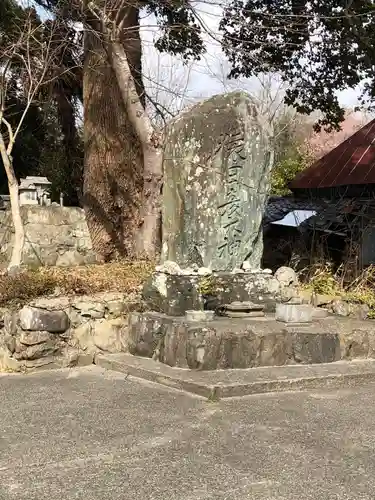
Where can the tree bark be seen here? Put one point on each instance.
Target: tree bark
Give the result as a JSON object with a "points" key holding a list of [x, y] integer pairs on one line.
{"points": [[113, 162], [151, 143], [19, 232]]}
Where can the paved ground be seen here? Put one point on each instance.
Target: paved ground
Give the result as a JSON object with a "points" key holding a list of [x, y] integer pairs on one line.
{"points": [[86, 434]]}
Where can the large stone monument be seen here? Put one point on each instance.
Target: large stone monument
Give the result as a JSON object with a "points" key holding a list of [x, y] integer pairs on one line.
{"points": [[216, 177]]}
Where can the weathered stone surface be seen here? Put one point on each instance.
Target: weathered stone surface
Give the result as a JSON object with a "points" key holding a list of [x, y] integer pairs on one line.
{"points": [[64, 331], [216, 180], [146, 333], [107, 336], [234, 343], [359, 311], [116, 308], [316, 348], [169, 267], [174, 295], [33, 338], [320, 299], [54, 236], [10, 319], [74, 357], [294, 313], [7, 362], [199, 315], [35, 319], [90, 309], [37, 351], [82, 337], [355, 344], [319, 313], [341, 308], [286, 276]]}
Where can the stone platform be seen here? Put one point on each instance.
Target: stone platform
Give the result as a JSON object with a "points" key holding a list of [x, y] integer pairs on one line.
{"points": [[227, 343], [173, 294], [220, 384]]}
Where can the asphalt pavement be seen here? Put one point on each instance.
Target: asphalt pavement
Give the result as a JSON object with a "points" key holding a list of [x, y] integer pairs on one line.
{"points": [[96, 435]]}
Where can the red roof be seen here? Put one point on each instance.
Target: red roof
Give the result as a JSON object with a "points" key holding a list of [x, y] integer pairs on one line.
{"points": [[352, 162]]}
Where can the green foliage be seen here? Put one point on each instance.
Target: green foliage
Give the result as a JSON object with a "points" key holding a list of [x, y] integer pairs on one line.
{"points": [[318, 48], [207, 286], [284, 172], [291, 131], [180, 29]]}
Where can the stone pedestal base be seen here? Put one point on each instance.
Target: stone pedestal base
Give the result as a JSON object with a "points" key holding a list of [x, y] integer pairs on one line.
{"points": [[229, 343], [175, 294]]}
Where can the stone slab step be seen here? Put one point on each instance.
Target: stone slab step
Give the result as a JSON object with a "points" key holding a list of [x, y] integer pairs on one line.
{"points": [[217, 384]]}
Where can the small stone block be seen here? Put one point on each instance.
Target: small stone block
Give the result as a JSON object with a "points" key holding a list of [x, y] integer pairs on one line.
{"points": [[199, 315], [294, 313]]}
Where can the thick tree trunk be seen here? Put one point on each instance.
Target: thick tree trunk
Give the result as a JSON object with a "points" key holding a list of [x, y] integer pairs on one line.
{"points": [[113, 163], [151, 144], [19, 232]]}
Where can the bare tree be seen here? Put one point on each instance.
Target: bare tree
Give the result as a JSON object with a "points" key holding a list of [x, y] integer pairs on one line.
{"points": [[28, 65]]}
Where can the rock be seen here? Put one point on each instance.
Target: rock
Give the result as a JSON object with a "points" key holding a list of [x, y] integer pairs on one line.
{"points": [[306, 296], [116, 308], [54, 235], [35, 319], [355, 344], [286, 276], [74, 357], [10, 342], [320, 313], [267, 271], [204, 271], [274, 286], [319, 299], [52, 303], [169, 267], [341, 308], [216, 179], [199, 315], [310, 348], [107, 336], [45, 363], [189, 271], [293, 313], [172, 294], [37, 351], [82, 337], [8, 363], [87, 309], [359, 311], [289, 293], [10, 319], [34, 338], [237, 270]]}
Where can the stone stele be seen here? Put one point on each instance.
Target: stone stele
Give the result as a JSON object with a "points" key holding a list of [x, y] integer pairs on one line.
{"points": [[217, 167]]}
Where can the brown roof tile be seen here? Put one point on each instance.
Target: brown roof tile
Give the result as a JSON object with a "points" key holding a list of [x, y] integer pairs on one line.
{"points": [[352, 162]]}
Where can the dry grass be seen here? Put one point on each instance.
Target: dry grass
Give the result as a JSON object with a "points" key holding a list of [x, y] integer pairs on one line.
{"points": [[322, 280], [112, 277]]}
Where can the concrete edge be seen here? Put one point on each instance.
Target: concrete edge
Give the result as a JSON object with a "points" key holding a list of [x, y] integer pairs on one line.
{"points": [[191, 386], [224, 391]]}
